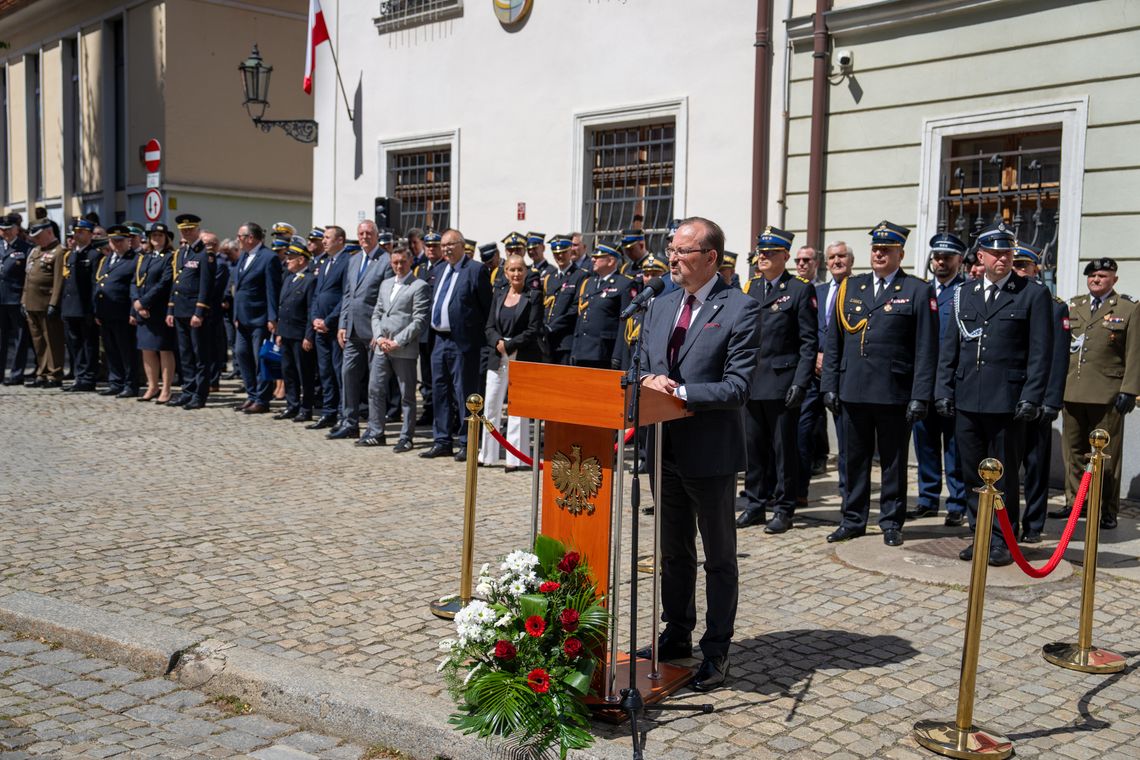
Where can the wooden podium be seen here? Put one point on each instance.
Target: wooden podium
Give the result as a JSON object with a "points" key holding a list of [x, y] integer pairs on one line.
{"points": [[582, 483]]}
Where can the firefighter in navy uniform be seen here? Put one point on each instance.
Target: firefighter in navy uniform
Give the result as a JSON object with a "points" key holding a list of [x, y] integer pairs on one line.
{"points": [[880, 364], [489, 255], [1103, 381], [515, 243], [1038, 446], [653, 266], [112, 307], [295, 334], [560, 301], [13, 326], [635, 250], [784, 368], [77, 307], [601, 298], [536, 251], [728, 270], [188, 311], [216, 316], [993, 369]]}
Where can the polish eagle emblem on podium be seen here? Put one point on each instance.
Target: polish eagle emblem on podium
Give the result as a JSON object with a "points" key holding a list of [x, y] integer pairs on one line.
{"points": [[577, 481]]}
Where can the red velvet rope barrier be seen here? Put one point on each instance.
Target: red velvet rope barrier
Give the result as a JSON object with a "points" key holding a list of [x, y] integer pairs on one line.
{"points": [[529, 461], [1070, 526]]}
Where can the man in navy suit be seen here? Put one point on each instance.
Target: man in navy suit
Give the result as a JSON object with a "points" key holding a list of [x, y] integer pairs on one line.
{"points": [[461, 300], [701, 343], [13, 326], [935, 447], [993, 371], [257, 280], [324, 313], [880, 363]]}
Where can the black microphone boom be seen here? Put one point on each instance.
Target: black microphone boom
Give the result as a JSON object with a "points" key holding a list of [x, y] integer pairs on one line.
{"points": [[653, 288]]}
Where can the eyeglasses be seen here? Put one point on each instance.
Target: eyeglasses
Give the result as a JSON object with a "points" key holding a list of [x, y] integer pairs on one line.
{"points": [[452, 245], [804, 261], [670, 251]]}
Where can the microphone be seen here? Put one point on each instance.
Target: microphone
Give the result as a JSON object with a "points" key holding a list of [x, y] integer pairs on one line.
{"points": [[653, 288]]}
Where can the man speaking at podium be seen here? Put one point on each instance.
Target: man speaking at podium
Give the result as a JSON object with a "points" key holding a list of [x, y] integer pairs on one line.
{"points": [[700, 343]]}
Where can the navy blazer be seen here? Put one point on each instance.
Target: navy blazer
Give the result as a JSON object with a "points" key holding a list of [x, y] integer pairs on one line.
{"points": [[329, 290], [470, 302], [151, 283], [13, 263], [293, 321], [789, 322], [193, 277], [894, 359], [1059, 366], [946, 304], [821, 291], [112, 299], [716, 364], [256, 288], [1008, 361], [78, 282]]}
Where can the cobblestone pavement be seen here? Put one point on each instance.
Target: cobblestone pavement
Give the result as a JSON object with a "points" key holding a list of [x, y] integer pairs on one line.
{"points": [[266, 535], [61, 704]]}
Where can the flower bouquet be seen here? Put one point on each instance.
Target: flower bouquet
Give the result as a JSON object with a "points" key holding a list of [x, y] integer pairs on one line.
{"points": [[524, 655]]}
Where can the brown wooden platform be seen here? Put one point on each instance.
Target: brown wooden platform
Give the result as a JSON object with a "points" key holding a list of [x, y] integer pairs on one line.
{"points": [[673, 678]]}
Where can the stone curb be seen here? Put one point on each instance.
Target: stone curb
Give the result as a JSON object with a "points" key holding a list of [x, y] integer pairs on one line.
{"points": [[353, 708]]}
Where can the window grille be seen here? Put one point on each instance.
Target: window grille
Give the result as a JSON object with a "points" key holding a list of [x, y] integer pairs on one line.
{"points": [[401, 14], [422, 182]]}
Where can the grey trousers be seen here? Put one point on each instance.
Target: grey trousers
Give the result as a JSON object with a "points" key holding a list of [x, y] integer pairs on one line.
{"points": [[383, 367], [354, 374]]}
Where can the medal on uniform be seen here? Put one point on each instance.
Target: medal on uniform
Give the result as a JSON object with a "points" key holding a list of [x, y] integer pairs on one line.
{"points": [[888, 307], [858, 309], [775, 307]]}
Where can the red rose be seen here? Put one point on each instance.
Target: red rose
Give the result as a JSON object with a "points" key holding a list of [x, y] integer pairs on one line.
{"points": [[569, 619], [538, 680], [548, 586], [569, 562], [535, 626], [572, 647], [504, 650]]}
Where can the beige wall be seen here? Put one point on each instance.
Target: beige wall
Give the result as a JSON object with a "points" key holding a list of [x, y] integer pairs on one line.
{"points": [[17, 131], [51, 79], [146, 33], [210, 141], [90, 106]]}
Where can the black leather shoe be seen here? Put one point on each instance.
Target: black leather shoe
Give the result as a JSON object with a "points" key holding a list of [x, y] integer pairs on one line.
{"points": [[177, 400], [193, 404], [35, 383], [371, 440], [1062, 514], [395, 416], [52, 384], [512, 468], [112, 391], [751, 516], [256, 408], [955, 519], [14, 380], [1030, 537], [780, 523], [1000, 556], [669, 647], [844, 533], [128, 393], [285, 414], [231, 375], [923, 511], [437, 450], [461, 455], [402, 445], [966, 554], [712, 673], [1107, 522], [243, 406], [342, 432], [303, 417], [892, 537], [82, 388], [326, 421]]}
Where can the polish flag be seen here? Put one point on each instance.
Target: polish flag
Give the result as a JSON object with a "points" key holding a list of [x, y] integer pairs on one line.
{"points": [[318, 33]]}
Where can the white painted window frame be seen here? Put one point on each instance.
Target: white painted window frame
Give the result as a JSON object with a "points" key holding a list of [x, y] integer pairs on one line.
{"points": [[641, 113], [444, 139], [1070, 114]]}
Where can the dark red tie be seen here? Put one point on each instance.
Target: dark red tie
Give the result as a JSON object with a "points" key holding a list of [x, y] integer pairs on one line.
{"points": [[677, 339]]}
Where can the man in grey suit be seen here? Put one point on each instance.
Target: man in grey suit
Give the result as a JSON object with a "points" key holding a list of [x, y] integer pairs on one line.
{"points": [[401, 314], [362, 278], [700, 344]]}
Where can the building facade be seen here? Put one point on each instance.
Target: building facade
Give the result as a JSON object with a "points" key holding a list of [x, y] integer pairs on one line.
{"points": [[84, 86]]}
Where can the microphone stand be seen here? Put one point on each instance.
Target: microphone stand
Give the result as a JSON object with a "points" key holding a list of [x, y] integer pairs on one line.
{"points": [[632, 703]]}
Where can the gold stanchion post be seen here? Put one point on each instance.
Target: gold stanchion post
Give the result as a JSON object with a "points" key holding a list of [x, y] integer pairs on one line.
{"points": [[1083, 656], [448, 606], [960, 737]]}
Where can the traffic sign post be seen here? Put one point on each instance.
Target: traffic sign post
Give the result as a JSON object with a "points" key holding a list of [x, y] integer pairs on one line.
{"points": [[152, 204], [152, 155]]}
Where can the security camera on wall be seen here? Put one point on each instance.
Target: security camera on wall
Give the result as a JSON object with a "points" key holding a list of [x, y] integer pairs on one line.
{"points": [[845, 60]]}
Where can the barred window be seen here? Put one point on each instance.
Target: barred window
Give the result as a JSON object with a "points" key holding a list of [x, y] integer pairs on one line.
{"points": [[630, 173], [422, 182], [402, 14], [1015, 178]]}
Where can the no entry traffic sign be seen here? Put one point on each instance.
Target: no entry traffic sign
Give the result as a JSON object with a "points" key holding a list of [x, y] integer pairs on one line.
{"points": [[152, 204], [152, 156]]}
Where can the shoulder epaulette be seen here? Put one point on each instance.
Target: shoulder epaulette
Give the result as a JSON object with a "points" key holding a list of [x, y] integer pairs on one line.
{"points": [[802, 279], [1129, 299], [1058, 299], [1077, 300]]}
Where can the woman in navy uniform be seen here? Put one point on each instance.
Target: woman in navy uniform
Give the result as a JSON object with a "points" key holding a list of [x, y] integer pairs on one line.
{"points": [[150, 292], [112, 307], [295, 335]]}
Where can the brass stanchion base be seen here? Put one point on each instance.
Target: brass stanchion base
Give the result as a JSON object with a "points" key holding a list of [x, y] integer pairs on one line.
{"points": [[1090, 660], [945, 738], [645, 564], [446, 608]]}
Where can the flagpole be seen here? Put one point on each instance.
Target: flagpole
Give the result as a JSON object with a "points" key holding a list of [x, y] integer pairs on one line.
{"points": [[332, 51]]}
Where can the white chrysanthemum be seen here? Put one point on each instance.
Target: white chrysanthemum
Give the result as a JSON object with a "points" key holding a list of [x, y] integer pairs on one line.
{"points": [[446, 645], [483, 588], [517, 588], [503, 621], [471, 673], [520, 562], [485, 615], [483, 570]]}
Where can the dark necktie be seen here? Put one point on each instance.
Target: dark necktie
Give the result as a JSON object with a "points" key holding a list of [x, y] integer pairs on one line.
{"points": [[363, 267], [990, 290], [677, 339], [879, 288], [767, 289], [440, 296], [1095, 305]]}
